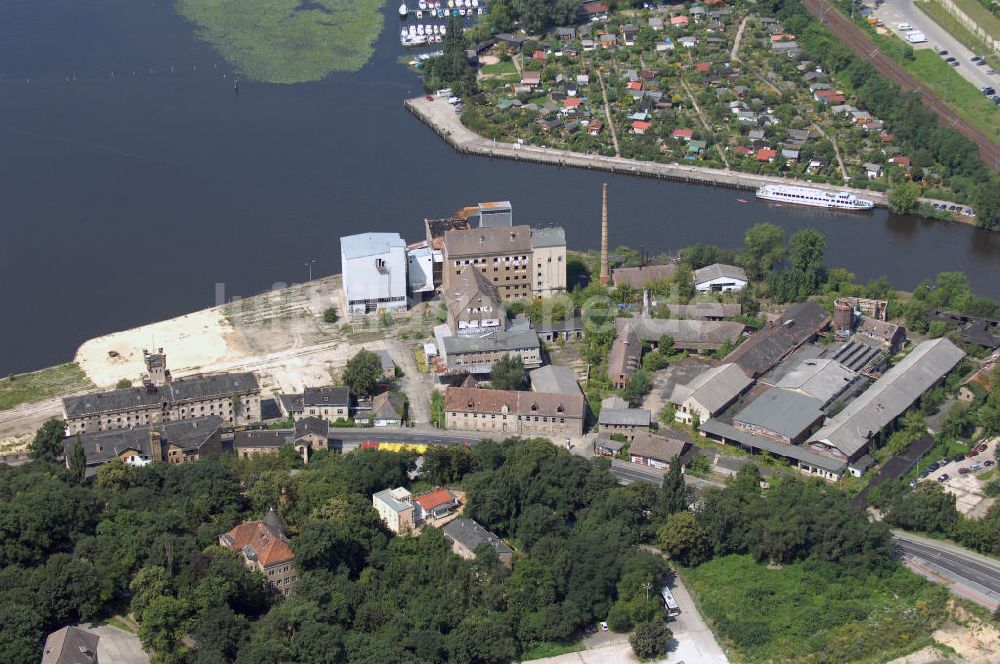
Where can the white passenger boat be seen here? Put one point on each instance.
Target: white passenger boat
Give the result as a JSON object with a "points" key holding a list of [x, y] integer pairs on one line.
{"points": [[402, 9], [838, 200]]}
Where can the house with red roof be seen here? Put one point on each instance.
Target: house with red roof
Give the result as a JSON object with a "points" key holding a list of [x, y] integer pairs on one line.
{"points": [[766, 154], [683, 134], [572, 102], [538, 55], [436, 504], [264, 547], [829, 97], [595, 127], [742, 150], [531, 79], [679, 21], [901, 160], [703, 67], [595, 8], [633, 85], [641, 126]]}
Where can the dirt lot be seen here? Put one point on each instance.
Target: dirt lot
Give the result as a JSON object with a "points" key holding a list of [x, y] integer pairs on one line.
{"points": [[280, 335], [967, 489]]}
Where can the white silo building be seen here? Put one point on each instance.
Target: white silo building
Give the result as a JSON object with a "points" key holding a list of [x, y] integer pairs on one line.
{"points": [[374, 269]]}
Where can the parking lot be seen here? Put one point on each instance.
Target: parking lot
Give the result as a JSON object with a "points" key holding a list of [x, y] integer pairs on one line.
{"points": [[963, 480]]}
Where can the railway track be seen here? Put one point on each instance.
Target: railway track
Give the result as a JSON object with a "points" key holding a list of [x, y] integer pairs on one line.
{"points": [[865, 48]]}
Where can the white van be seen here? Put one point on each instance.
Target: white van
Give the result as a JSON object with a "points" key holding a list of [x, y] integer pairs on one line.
{"points": [[905, 26], [916, 37]]}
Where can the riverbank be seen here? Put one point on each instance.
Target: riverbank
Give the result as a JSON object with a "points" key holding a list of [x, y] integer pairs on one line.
{"points": [[280, 335], [446, 123]]}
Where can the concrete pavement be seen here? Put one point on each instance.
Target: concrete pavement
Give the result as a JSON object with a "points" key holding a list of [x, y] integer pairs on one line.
{"points": [[695, 641], [116, 645], [894, 12]]}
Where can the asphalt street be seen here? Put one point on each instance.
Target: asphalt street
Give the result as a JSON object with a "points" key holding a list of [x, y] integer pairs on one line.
{"points": [[894, 12], [973, 576]]}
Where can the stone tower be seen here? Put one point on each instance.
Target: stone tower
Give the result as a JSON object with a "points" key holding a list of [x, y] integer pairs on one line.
{"points": [[157, 373], [605, 277]]}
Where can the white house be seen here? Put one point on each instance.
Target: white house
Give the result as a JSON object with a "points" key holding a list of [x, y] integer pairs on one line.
{"points": [[374, 269], [719, 277]]}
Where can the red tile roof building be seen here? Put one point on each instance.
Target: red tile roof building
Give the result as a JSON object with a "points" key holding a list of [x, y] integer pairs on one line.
{"points": [[640, 126], [264, 547], [766, 154], [437, 503], [683, 134]]}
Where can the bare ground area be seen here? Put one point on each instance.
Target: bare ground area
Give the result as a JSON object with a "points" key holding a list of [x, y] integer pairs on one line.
{"points": [[280, 335]]}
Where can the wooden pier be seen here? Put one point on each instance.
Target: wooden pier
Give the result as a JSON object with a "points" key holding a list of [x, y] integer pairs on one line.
{"points": [[440, 116]]}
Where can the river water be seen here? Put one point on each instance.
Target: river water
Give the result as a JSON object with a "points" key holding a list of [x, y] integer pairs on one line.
{"points": [[133, 180]]}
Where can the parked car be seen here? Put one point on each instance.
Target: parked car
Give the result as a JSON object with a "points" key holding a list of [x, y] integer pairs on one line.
{"points": [[989, 462], [604, 626], [943, 52], [971, 453], [964, 471], [982, 447], [949, 59], [987, 90], [943, 462], [934, 466], [954, 63], [943, 477], [905, 26], [976, 466], [976, 58], [958, 458]]}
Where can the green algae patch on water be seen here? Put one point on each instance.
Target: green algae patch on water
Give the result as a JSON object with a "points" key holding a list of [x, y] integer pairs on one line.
{"points": [[287, 41]]}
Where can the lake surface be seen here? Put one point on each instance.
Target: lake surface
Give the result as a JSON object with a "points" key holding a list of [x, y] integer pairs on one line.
{"points": [[133, 180]]}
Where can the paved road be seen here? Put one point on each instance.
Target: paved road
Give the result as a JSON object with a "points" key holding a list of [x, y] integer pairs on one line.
{"points": [[894, 12], [859, 42], [632, 472], [695, 641], [964, 572]]}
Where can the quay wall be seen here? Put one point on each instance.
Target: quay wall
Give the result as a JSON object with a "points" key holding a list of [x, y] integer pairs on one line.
{"points": [[441, 117]]}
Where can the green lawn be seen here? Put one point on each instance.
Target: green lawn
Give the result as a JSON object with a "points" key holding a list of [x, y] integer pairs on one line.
{"points": [[962, 96], [982, 16], [543, 650], [813, 611], [947, 20], [499, 68], [287, 41], [27, 388]]}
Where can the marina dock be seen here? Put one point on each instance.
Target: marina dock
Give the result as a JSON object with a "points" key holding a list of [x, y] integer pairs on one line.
{"points": [[442, 118]]}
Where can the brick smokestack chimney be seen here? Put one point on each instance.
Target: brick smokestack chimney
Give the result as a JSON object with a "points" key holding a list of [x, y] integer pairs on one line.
{"points": [[605, 277]]}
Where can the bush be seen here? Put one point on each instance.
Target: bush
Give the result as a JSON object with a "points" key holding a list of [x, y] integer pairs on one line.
{"points": [[650, 639], [330, 315]]}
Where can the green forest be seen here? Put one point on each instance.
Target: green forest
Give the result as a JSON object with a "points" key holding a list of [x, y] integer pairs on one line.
{"points": [[143, 541]]}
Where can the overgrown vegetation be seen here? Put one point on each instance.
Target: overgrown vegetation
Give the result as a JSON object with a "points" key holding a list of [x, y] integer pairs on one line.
{"points": [[287, 41], [44, 384]]}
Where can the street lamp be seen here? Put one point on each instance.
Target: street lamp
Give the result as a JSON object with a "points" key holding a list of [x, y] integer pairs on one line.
{"points": [[647, 586], [309, 264]]}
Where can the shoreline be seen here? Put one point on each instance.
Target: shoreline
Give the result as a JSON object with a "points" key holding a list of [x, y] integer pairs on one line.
{"points": [[441, 118]]}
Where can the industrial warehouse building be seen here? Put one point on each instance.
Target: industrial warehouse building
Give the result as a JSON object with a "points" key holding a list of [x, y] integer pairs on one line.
{"points": [[374, 271]]}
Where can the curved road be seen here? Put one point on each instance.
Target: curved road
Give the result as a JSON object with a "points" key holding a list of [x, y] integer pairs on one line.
{"points": [[860, 43]]}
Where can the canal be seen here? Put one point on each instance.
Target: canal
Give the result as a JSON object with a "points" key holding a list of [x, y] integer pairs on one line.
{"points": [[133, 180]]}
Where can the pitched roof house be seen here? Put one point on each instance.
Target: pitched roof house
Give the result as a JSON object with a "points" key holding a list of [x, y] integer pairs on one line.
{"points": [[264, 546]]}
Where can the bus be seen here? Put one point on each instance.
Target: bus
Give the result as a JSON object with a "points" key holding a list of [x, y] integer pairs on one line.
{"points": [[669, 604]]}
